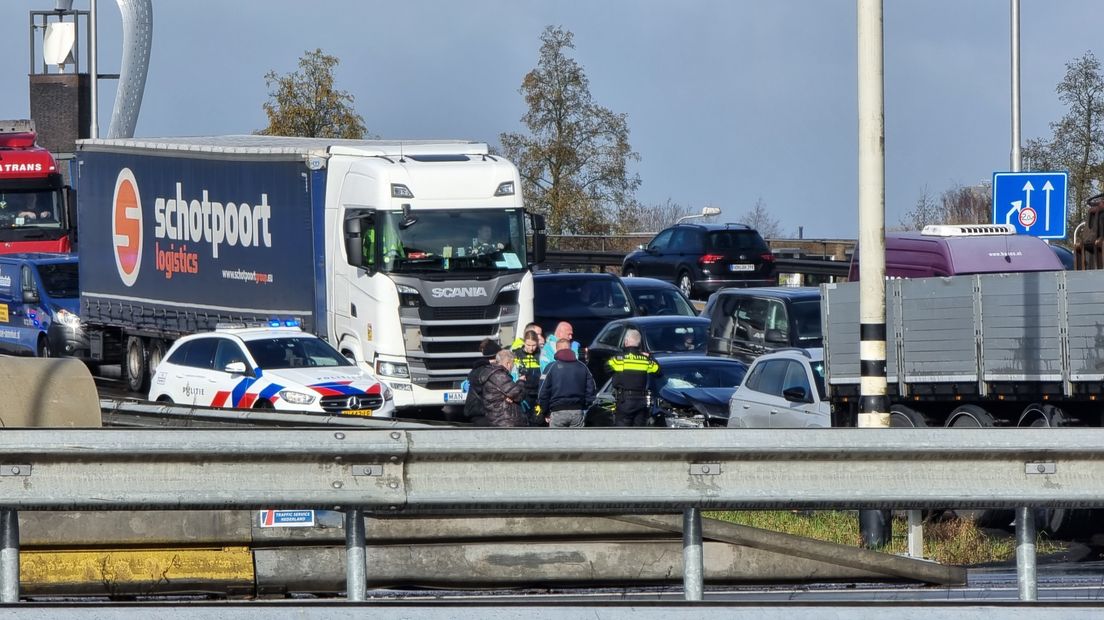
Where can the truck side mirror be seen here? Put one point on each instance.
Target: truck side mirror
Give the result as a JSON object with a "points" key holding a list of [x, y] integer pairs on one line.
{"points": [[71, 215], [540, 239], [353, 228]]}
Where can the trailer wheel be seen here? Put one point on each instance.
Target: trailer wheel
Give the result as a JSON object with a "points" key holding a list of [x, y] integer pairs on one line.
{"points": [[901, 416], [973, 416], [157, 348], [136, 365], [1062, 523]]}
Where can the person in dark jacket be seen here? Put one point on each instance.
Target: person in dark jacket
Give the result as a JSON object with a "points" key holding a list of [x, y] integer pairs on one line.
{"points": [[527, 363], [631, 372], [473, 402], [502, 395], [567, 389]]}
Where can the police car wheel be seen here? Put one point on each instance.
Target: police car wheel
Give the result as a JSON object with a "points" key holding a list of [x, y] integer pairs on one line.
{"points": [[262, 404]]}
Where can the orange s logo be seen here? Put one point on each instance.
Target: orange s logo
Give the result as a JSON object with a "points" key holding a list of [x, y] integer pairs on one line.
{"points": [[126, 227]]}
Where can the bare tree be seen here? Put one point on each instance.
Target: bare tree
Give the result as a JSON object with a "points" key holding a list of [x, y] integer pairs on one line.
{"points": [[761, 220], [968, 204], [927, 211], [651, 218]]}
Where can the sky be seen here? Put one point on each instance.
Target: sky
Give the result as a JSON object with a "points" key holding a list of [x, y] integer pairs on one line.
{"points": [[728, 101]]}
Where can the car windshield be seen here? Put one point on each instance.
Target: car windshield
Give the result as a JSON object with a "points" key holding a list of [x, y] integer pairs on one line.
{"points": [[294, 352], [818, 376], [677, 337], [585, 297], [661, 302], [682, 376], [806, 318], [735, 242], [449, 241], [60, 280]]}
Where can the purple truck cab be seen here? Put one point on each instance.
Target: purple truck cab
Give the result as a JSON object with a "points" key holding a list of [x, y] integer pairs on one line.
{"points": [[951, 250]]}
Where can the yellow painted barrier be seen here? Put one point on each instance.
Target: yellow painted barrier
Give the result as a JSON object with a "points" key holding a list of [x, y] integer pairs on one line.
{"points": [[136, 571]]}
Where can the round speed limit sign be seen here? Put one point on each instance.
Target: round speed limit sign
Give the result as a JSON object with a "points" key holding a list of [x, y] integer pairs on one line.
{"points": [[1028, 217]]}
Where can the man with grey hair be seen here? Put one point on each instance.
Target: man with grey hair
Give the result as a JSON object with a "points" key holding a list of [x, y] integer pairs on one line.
{"points": [[501, 394], [567, 389], [631, 372]]}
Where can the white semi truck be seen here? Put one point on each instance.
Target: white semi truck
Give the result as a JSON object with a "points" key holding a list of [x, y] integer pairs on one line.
{"points": [[404, 255]]}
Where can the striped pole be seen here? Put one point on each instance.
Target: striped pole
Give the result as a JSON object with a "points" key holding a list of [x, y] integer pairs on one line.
{"points": [[873, 403]]}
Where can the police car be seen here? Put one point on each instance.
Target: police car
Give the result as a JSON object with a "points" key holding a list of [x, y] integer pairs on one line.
{"points": [[267, 367]]}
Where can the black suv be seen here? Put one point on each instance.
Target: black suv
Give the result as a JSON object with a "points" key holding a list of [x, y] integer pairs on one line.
{"points": [[746, 323], [702, 258]]}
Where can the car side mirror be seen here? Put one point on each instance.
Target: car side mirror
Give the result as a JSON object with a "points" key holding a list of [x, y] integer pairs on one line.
{"points": [[235, 368], [774, 336], [796, 395]]}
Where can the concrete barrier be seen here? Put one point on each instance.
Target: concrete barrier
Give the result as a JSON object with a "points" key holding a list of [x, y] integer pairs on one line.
{"points": [[48, 392]]}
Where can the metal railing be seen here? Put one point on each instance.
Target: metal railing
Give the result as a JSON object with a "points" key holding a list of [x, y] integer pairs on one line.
{"points": [[596, 471]]}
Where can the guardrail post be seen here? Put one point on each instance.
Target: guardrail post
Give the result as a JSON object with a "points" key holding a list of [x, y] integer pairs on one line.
{"points": [[355, 571], [9, 556], [915, 534], [692, 563], [1025, 554]]}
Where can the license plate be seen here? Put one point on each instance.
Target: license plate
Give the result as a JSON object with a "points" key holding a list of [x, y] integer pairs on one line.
{"points": [[741, 267], [360, 412], [452, 397]]}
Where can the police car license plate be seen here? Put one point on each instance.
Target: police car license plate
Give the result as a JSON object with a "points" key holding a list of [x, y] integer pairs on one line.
{"points": [[359, 412], [454, 397], [741, 267]]}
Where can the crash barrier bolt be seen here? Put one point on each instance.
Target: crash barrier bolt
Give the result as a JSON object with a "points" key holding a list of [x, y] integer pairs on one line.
{"points": [[355, 571], [9, 556], [1025, 554], [692, 565], [915, 534]]}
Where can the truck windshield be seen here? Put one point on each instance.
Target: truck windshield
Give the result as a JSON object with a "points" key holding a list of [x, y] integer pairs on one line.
{"points": [[30, 209], [60, 280], [450, 241]]}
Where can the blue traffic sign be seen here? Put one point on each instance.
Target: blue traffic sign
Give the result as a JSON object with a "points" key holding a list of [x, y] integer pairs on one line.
{"points": [[1033, 202]]}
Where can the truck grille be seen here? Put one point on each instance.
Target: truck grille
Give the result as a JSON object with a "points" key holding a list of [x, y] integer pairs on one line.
{"points": [[429, 313], [337, 404]]}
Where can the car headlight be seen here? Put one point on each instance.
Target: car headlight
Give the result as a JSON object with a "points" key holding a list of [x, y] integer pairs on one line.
{"points": [[296, 398], [392, 369], [68, 319]]}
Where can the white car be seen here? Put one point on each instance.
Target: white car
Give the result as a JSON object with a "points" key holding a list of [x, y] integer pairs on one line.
{"points": [[782, 389], [267, 368]]}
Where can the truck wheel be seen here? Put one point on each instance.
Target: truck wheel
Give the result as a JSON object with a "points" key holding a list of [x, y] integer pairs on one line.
{"points": [[901, 416], [136, 365], [973, 416], [43, 347]]}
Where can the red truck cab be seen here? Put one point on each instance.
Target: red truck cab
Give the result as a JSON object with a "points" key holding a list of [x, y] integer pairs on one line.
{"points": [[36, 207]]}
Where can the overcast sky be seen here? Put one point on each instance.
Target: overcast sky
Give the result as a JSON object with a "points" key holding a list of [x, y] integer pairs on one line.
{"points": [[728, 101]]}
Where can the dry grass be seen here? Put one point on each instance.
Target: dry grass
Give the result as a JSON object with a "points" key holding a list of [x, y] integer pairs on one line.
{"points": [[954, 541]]}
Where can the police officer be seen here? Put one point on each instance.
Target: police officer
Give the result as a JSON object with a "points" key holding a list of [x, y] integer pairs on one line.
{"points": [[631, 371], [527, 365]]}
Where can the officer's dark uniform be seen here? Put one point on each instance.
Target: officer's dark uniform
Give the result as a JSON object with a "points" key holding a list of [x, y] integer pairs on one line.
{"points": [[528, 366], [630, 384]]}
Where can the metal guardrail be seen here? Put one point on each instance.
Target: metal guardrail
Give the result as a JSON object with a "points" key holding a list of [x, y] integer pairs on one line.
{"points": [[144, 414], [601, 260], [477, 471]]}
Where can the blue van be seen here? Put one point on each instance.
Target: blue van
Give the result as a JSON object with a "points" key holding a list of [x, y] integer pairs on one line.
{"points": [[39, 305], [952, 250]]}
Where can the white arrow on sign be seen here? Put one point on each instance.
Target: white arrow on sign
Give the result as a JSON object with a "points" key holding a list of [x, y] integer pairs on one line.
{"points": [[1048, 188], [1028, 188], [1016, 206]]}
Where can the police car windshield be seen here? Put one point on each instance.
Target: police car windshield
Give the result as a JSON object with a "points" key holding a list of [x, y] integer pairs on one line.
{"points": [[451, 241], [294, 352]]}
